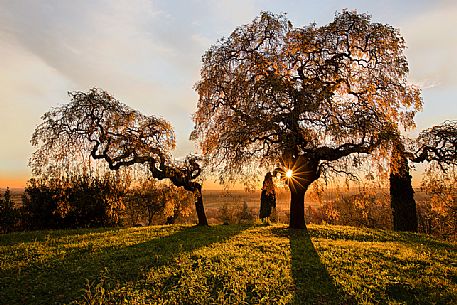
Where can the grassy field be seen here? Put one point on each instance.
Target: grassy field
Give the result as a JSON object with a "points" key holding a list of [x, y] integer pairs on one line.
{"points": [[226, 265]]}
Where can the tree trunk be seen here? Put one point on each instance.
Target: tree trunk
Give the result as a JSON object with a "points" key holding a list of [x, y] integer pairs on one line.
{"points": [[401, 192], [297, 209], [202, 221], [196, 188], [184, 179], [305, 172]]}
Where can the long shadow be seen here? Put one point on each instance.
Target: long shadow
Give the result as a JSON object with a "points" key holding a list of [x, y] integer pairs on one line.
{"points": [[377, 235], [60, 281], [313, 284], [14, 238]]}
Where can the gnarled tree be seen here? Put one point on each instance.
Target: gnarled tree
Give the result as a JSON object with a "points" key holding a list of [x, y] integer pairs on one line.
{"points": [[99, 125], [302, 97], [437, 146]]}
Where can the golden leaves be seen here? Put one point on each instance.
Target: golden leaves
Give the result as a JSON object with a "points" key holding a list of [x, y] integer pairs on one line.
{"points": [[95, 122], [269, 85]]}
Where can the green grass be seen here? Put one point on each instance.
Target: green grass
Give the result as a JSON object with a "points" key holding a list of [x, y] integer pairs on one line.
{"points": [[226, 265]]}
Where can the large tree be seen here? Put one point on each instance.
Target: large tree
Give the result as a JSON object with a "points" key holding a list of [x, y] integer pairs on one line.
{"points": [[96, 124], [437, 146], [301, 97], [402, 200]]}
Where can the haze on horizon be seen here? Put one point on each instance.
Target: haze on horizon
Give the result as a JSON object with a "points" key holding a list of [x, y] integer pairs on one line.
{"points": [[148, 55]]}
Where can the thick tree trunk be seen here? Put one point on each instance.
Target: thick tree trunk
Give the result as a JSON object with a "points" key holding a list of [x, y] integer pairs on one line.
{"points": [[305, 172], [297, 209], [401, 192]]}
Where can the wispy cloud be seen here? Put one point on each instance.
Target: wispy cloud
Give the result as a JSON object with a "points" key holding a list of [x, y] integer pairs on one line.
{"points": [[432, 46]]}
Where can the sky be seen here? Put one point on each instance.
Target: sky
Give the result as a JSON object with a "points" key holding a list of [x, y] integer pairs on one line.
{"points": [[148, 55]]}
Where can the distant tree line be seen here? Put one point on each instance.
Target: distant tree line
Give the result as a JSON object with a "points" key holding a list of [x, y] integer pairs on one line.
{"points": [[85, 201]]}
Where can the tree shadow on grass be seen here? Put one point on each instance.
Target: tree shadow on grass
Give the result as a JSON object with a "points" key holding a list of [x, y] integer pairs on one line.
{"points": [[14, 238], [377, 235], [61, 280], [313, 284]]}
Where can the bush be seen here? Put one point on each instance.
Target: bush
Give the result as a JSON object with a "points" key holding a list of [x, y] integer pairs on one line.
{"points": [[437, 213], [77, 202], [369, 207], [235, 213], [39, 205]]}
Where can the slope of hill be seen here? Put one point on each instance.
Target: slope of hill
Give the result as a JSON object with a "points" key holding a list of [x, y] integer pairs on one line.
{"points": [[226, 265]]}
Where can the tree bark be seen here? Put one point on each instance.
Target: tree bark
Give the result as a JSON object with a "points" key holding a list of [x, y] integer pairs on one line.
{"points": [[297, 209], [202, 221], [401, 192], [305, 172]]}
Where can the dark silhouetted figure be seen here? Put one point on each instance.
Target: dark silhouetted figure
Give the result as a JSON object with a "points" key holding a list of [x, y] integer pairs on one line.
{"points": [[267, 198]]}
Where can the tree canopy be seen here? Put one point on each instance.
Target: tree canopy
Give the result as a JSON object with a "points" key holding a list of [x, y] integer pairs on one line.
{"points": [[437, 144], [302, 97], [96, 124]]}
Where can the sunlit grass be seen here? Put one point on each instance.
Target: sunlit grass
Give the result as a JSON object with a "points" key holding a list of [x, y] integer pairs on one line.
{"points": [[226, 265]]}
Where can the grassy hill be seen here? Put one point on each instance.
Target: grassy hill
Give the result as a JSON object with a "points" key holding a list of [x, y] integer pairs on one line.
{"points": [[226, 265]]}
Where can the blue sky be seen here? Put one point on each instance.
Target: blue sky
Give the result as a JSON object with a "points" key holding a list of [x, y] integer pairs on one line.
{"points": [[148, 55]]}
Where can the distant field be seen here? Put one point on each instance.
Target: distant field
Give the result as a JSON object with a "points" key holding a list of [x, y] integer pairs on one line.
{"points": [[213, 200], [16, 194], [216, 198], [226, 264]]}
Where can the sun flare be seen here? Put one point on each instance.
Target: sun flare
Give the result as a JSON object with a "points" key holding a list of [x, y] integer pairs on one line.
{"points": [[289, 173]]}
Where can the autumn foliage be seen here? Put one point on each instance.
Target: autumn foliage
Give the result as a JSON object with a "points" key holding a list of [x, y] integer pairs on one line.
{"points": [[274, 95], [95, 124]]}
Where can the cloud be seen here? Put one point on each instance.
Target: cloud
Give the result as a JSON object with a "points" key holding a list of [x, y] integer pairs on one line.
{"points": [[27, 87], [140, 53], [432, 46]]}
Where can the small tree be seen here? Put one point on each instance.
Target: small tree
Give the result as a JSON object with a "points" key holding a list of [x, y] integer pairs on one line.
{"points": [[301, 98], [96, 124], [40, 204], [8, 213], [92, 201], [176, 203]]}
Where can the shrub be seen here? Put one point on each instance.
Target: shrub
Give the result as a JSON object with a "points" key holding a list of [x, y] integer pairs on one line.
{"points": [[437, 213], [369, 207], [39, 205], [76, 202], [235, 213]]}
